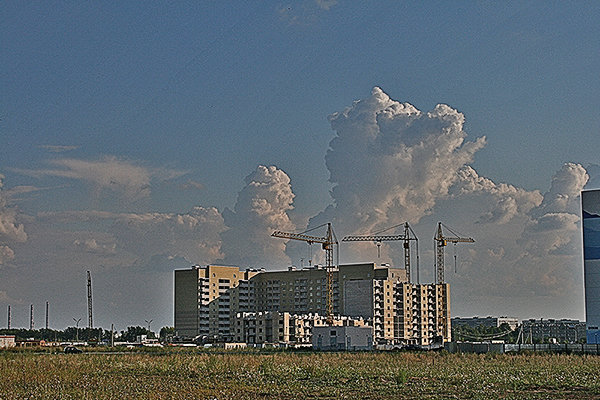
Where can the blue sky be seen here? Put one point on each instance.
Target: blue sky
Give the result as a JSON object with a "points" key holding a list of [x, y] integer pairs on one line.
{"points": [[115, 112]]}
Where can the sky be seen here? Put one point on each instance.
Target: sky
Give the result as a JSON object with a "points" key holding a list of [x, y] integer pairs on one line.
{"points": [[137, 139]]}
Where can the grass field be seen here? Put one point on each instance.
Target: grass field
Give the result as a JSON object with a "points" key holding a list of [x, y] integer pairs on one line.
{"points": [[287, 375]]}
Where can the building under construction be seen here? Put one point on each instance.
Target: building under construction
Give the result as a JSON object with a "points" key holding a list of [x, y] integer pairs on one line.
{"points": [[213, 302]]}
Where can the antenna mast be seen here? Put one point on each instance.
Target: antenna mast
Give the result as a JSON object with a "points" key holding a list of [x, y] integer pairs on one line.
{"points": [[89, 297]]}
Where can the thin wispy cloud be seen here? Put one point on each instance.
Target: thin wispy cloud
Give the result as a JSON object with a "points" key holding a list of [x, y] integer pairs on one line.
{"points": [[304, 12], [191, 185], [326, 4], [127, 178], [58, 148]]}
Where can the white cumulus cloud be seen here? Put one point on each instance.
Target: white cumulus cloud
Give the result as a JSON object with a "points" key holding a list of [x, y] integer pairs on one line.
{"points": [[193, 235], [11, 231], [261, 208], [390, 162]]}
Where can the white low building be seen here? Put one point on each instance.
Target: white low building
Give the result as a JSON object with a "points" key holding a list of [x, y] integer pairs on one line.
{"points": [[342, 338]]}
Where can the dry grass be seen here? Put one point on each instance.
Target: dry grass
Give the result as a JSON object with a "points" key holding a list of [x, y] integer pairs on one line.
{"points": [[287, 375]]}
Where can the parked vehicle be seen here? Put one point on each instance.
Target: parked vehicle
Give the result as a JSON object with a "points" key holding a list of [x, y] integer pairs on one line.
{"points": [[72, 350]]}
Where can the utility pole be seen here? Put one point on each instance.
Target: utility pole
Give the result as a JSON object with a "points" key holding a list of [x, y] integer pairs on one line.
{"points": [[89, 298], [112, 335], [31, 323], [148, 322], [46, 315], [9, 316], [77, 328]]}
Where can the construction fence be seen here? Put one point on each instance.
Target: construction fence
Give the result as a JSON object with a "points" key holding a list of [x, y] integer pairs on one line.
{"points": [[486, 347]]}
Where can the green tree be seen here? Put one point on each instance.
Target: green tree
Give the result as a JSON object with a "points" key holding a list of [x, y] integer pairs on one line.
{"points": [[132, 332], [166, 332]]}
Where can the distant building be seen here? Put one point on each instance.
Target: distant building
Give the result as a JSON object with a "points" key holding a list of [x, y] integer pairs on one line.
{"points": [[492, 322], [563, 330], [7, 341], [590, 209]]}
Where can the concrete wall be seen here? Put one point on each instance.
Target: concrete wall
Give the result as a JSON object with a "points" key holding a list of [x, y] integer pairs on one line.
{"points": [[358, 298]]}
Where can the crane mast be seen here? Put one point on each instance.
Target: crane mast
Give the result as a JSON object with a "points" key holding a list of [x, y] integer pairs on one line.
{"points": [[441, 242], [327, 242], [378, 239]]}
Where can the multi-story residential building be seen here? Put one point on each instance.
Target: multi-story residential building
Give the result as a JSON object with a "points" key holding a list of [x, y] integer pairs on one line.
{"points": [[422, 313], [304, 291], [493, 322], [373, 300], [226, 304], [261, 327], [207, 299]]}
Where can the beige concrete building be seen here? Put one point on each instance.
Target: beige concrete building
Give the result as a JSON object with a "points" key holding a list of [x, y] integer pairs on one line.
{"points": [[304, 291], [422, 314], [284, 328], [207, 299]]}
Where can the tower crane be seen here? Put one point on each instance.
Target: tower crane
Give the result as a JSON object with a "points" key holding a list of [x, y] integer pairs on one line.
{"points": [[441, 242], [408, 235], [327, 241]]}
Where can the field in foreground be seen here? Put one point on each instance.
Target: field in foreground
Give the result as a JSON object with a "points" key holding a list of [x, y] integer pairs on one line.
{"points": [[288, 375]]}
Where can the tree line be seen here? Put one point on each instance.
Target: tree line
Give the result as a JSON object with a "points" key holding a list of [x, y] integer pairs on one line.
{"points": [[72, 334]]}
